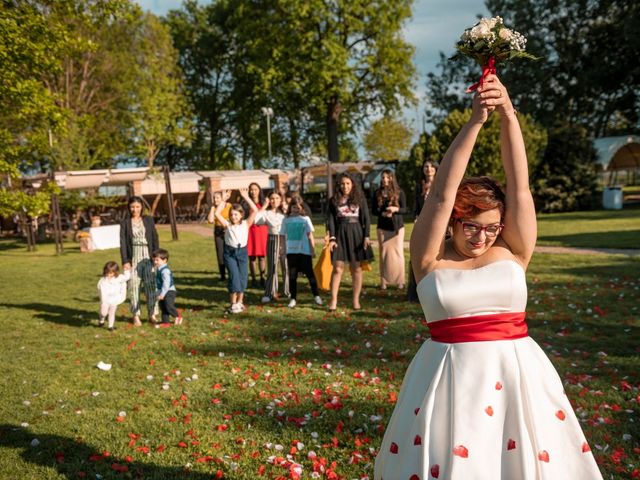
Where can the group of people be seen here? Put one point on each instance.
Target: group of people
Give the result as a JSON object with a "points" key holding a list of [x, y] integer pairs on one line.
{"points": [[480, 399], [145, 267], [259, 232]]}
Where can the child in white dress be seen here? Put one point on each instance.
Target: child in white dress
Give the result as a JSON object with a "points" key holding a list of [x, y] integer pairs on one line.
{"points": [[113, 291]]}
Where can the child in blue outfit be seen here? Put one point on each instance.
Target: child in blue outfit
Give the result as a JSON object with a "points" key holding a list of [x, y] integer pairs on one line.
{"points": [[166, 290], [298, 229]]}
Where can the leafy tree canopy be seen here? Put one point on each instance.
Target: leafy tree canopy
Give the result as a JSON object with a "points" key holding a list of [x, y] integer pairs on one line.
{"points": [[388, 139]]}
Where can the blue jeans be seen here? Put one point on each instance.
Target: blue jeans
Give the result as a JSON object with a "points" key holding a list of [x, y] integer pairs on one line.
{"points": [[237, 262]]}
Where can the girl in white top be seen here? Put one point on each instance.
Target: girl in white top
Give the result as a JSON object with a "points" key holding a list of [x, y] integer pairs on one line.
{"points": [[236, 259], [272, 215], [113, 291]]}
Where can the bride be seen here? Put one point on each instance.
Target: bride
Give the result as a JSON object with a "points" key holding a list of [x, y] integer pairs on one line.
{"points": [[480, 399]]}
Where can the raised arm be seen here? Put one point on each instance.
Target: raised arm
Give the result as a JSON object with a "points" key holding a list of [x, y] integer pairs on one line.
{"points": [[427, 238], [244, 193], [520, 228]]}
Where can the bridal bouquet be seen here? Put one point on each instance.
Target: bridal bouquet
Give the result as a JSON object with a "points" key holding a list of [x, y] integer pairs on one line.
{"points": [[489, 42]]}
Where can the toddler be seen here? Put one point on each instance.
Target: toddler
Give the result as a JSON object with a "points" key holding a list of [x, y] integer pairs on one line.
{"points": [[113, 291], [165, 288]]}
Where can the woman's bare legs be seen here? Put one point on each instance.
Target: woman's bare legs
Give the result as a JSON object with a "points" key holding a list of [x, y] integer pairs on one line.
{"points": [[356, 278], [336, 278]]}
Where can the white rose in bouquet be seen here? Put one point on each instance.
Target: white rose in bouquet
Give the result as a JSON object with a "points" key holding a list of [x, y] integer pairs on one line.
{"points": [[489, 43]]}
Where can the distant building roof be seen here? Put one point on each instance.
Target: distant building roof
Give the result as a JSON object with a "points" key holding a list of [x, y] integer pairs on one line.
{"points": [[618, 153]]}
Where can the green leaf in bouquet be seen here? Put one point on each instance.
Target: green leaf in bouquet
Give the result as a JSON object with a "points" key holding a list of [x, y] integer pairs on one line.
{"points": [[480, 45]]}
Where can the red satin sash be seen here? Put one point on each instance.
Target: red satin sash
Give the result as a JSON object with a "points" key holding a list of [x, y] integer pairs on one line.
{"points": [[480, 328]]}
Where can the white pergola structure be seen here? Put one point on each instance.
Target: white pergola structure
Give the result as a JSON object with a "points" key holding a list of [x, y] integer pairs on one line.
{"points": [[617, 155]]}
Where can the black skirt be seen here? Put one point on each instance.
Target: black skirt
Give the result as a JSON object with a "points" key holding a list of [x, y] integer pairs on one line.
{"points": [[350, 240]]}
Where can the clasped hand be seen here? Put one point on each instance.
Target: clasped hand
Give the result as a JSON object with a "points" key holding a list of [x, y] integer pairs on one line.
{"points": [[492, 95]]}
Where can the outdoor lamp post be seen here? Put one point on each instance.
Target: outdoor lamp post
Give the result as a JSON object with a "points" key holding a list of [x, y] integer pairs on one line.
{"points": [[268, 112]]}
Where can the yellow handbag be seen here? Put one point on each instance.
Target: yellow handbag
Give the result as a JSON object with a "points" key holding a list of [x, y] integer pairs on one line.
{"points": [[323, 269]]}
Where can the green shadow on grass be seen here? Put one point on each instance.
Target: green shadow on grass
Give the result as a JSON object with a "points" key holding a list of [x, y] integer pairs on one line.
{"points": [[59, 314], [68, 457]]}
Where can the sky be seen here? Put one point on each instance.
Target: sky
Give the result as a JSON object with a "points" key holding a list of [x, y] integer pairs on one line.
{"points": [[435, 27]]}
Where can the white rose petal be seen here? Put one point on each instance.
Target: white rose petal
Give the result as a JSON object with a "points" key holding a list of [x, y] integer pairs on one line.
{"points": [[105, 367]]}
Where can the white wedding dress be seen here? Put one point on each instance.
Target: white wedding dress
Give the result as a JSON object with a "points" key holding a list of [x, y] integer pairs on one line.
{"points": [[482, 410]]}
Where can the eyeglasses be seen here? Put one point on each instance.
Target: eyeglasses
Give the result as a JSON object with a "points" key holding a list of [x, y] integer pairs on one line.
{"points": [[471, 228]]}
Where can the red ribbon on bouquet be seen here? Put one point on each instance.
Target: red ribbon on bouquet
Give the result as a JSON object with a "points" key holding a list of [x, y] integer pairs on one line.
{"points": [[488, 69]]}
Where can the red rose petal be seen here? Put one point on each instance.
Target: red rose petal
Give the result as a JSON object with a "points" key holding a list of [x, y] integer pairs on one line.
{"points": [[393, 448], [461, 451], [417, 440], [585, 447], [511, 444], [560, 414], [435, 471], [543, 456], [489, 411], [498, 386]]}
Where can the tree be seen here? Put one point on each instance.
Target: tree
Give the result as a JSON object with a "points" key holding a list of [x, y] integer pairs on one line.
{"points": [[486, 158], [94, 83], [585, 75], [30, 48], [567, 177], [161, 114], [388, 139], [353, 59], [204, 43]]}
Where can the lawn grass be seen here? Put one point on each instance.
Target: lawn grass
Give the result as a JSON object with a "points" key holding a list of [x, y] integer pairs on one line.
{"points": [[235, 394], [590, 229]]}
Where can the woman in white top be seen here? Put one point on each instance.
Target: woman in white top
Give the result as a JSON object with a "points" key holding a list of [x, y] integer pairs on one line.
{"points": [[236, 259], [272, 215], [480, 399]]}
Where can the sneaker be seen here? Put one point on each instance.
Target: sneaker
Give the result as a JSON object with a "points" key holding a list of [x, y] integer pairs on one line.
{"points": [[101, 322], [111, 329], [318, 300], [292, 303], [266, 299], [236, 308]]}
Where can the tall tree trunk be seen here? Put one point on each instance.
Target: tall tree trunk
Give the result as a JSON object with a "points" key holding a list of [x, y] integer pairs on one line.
{"points": [[212, 141], [293, 142], [333, 115]]}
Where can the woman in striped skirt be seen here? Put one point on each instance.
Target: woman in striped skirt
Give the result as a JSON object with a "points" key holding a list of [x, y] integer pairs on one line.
{"points": [[272, 215], [138, 239]]}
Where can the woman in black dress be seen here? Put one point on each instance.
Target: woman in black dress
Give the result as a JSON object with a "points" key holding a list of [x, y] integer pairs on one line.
{"points": [[427, 174], [390, 204], [348, 225]]}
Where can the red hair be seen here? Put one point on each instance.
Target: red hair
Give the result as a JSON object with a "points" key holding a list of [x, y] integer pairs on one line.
{"points": [[476, 195]]}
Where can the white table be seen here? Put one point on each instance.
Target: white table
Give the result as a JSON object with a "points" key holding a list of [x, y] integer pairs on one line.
{"points": [[105, 237]]}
